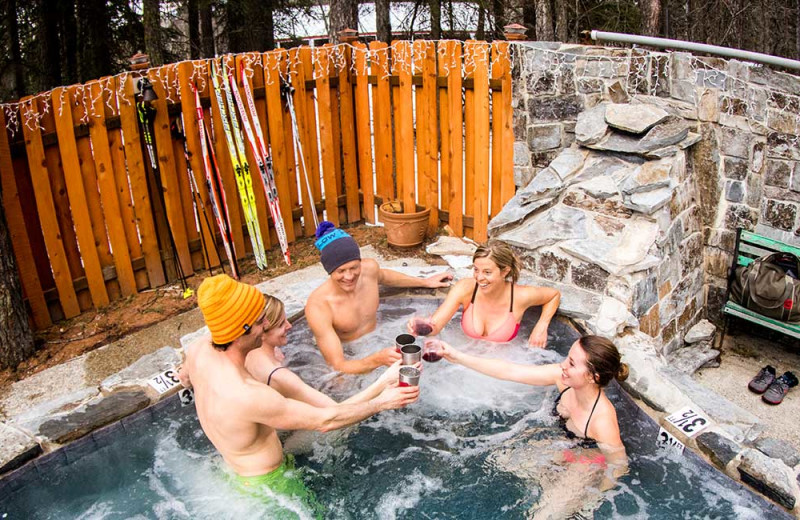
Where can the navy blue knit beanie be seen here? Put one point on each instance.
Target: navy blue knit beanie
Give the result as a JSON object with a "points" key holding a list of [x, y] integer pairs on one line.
{"points": [[335, 246]]}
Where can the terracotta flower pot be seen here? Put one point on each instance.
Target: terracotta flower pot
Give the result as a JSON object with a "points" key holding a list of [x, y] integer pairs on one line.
{"points": [[403, 229]]}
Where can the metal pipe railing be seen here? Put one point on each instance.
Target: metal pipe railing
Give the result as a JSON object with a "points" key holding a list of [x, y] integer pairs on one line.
{"points": [[695, 47]]}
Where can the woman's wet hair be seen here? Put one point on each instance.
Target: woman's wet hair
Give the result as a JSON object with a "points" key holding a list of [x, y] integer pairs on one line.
{"points": [[603, 360], [273, 315], [501, 254], [273, 312]]}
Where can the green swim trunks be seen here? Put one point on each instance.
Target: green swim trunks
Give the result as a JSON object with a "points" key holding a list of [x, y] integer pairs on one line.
{"points": [[283, 482]]}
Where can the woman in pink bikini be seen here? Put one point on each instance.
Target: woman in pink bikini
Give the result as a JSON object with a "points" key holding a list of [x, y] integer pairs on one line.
{"points": [[493, 301]]}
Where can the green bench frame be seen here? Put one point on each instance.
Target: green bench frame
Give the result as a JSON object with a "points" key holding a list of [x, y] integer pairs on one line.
{"points": [[750, 246]]}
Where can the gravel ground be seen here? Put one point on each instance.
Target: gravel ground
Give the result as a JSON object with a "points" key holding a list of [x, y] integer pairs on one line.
{"points": [[743, 355]]}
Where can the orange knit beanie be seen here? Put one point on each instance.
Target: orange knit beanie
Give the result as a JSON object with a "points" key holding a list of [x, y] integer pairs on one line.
{"points": [[229, 307]]}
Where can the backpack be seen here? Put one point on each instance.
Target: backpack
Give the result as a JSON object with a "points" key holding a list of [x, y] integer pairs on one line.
{"points": [[769, 286]]}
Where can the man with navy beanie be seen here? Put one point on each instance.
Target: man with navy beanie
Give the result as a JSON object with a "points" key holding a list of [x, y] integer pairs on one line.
{"points": [[345, 306]]}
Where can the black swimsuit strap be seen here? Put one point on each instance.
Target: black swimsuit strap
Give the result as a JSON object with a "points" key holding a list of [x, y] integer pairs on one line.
{"points": [[269, 378], [585, 430], [475, 291]]}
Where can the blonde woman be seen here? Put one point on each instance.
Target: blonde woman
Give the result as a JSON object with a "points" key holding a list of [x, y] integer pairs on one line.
{"points": [[493, 301]]}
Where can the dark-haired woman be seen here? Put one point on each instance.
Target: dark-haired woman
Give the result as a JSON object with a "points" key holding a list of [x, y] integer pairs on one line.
{"points": [[585, 411], [577, 481], [493, 301]]}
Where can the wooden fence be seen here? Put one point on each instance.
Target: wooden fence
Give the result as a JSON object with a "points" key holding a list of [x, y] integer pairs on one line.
{"points": [[425, 122]]}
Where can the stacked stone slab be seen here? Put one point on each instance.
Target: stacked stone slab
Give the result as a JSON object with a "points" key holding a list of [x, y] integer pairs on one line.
{"points": [[610, 215], [742, 172]]}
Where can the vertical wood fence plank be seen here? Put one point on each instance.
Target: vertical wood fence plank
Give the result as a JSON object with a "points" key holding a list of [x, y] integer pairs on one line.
{"points": [[108, 191], [172, 87], [348, 125], [77, 196], [469, 134], [138, 179], [226, 171], [117, 146], [61, 201], [363, 132], [443, 65], [336, 126], [46, 208], [404, 140], [420, 128], [322, 74], [455, 131], [431, 155], [507, 186], [192, 132], [481, 90], [299, 100], [277, 134], [33, 227], [262, 209], [312, 142], [496, 123], [80, 104], [26, 265], [169, 184], [382, 120]]}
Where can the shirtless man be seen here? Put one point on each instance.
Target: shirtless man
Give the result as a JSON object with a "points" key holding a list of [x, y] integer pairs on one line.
{"points": [[238, 414], [345, 306]]}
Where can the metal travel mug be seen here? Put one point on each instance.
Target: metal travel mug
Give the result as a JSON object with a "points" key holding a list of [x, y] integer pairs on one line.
{"points": [[409, 376], [411, 354], [402, 340]]}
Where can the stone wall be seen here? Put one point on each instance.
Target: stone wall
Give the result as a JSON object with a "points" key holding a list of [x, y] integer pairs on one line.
{"points": [[742, 172]]}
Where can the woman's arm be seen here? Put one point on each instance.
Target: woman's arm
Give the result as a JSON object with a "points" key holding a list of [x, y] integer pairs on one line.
{"points": [[537, 375], [549, 299], [448, 308]]}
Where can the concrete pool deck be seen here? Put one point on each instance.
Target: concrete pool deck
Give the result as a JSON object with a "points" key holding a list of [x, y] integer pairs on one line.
{"points": [[58, 405]]}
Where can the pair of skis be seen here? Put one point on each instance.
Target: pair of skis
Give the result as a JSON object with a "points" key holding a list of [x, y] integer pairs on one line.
{"points": [[216, 191], [244, 183]]}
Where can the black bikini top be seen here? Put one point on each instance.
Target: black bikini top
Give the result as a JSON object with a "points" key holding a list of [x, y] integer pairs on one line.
{"points": [[585, 441]]}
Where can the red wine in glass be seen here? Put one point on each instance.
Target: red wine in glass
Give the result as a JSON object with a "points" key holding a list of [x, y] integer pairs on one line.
{"points": [[423, 329], [431, 357]]}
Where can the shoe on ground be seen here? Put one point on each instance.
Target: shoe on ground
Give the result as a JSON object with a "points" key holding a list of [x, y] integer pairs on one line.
{"points": [[779, 388], [762, 380]]}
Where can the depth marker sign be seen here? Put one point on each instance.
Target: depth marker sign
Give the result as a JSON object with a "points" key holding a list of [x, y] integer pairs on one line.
{"points": [[689, 421]]}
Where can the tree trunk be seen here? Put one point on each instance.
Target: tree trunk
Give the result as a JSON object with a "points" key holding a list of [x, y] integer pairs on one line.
{"points": [[69, 40], [206, 29], [94, 35], [343, 15], [151, 20], [529, 20], [383, 22], [50, 45], [562, 24], [544, 21], [651, 17], [16, 52], [480, 32], [193, 16], [436, 19], [499, 15], [16, 339]]}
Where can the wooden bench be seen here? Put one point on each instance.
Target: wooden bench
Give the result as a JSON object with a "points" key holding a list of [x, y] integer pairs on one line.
{"points": [[750, 246]]}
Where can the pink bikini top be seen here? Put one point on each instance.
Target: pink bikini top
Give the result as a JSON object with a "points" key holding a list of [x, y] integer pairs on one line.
{"points": [[505, 332]]}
